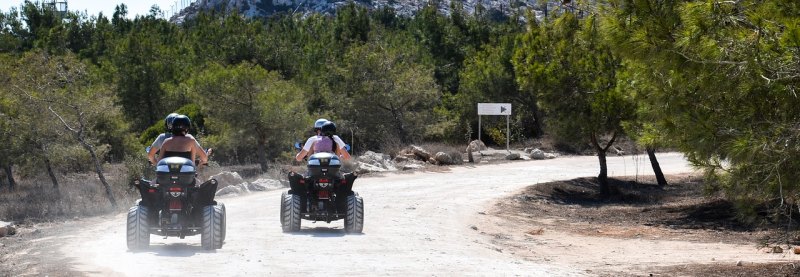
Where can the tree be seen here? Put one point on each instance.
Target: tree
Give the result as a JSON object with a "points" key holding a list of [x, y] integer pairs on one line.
{"points": [[573, 73], [65, 88], [387, 81], [249, 105]]}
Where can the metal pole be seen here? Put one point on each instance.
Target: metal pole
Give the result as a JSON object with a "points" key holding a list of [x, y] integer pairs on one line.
{"points": [[479, 127], [508, 132]]}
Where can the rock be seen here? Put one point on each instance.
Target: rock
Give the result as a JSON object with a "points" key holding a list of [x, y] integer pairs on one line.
{"points": [[233, 190], [422, 154], [512, 156], [400, 159], [443, 158], [550, 156], [474, 227], [412, 166], [367, 168], [377, 160], [796, 249], [476, 145], [227, 178], [527, 150], [538, 154], [456, 157], [7, 229], [739, 263], [267, 184], [777, 249]]}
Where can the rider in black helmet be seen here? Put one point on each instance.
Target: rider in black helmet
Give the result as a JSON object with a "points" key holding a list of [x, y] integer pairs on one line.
{"points": [[156, 145], [326, 140]]}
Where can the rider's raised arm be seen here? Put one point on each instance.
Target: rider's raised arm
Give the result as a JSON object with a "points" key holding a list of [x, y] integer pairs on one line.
{"points": [[341, 151]]}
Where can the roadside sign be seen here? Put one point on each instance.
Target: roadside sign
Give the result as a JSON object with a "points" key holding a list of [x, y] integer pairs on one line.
{"points": [[494, 108]]}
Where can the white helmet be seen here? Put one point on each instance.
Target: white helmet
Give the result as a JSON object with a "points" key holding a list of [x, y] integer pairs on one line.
{"points": [[318, 124]]}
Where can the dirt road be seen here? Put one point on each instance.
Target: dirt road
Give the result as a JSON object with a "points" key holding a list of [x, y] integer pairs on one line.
{"points": [[415, 224]]}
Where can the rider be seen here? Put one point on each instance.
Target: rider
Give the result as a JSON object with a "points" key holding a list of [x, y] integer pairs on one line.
{"points": [[156, 145], [181, 144], [324, 141]]}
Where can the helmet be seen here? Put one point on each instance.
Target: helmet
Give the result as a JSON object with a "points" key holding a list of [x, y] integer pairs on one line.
{"points": [[318, 124], [181, 123], [329, 128], [168, 121]]}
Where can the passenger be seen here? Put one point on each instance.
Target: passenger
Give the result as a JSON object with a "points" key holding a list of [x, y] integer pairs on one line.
{"points": [[324, 141], [181, 144], [185, 146], [156, 145]]}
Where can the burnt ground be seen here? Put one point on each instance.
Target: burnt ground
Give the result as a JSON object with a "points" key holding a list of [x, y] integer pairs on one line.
{"points": [[639, 209]]}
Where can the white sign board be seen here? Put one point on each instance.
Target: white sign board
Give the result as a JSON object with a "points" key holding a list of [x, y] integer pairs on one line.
{"points": [[494, 108]]}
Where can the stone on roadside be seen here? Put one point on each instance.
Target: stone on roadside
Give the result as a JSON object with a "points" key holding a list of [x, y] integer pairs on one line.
{"points": [[512, 156], [538, 154], [777, 249], [412, 166], [7, 229], [796, 249], [227, 178], [476, 145], [266, 184], [422, 154], [443, 158]]}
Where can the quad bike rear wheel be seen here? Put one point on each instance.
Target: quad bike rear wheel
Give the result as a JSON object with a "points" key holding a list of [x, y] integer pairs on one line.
{"points": [[213, 232], [138, 228], [283, 206], [290, 211], [354, 220]]}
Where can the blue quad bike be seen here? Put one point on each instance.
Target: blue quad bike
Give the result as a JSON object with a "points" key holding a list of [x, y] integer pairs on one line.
{"points": [[173, 206], [323, 194]]}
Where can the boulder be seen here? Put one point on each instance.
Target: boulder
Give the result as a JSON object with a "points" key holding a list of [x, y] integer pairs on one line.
{"points": [[422, 154], [476, 145], [227, 178], [412, 166], [512, 156], [538, 154], [378, 160], [528, 150], [7, 229], [266, 184], [443, 158], [367, 168], [550, 156], [233, 190]]}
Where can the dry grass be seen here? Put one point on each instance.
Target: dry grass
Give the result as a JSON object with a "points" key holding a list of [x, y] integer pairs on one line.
{"points": [[78, 195]]}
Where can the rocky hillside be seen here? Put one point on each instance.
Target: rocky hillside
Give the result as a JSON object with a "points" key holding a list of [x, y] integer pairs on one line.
{"points": [[265, 8]]}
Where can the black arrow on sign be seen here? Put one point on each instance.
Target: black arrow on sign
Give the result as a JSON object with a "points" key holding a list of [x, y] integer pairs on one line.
{"points": [[502, 109]]}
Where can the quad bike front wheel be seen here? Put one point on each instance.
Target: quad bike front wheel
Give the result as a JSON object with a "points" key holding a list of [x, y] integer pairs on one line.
{"points": [[213, 227], [224, 221], [138, 228], [354, 220], [290, 212]]}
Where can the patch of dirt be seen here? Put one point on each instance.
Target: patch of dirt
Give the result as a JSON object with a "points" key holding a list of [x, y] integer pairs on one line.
{"points": [[640, 230]]}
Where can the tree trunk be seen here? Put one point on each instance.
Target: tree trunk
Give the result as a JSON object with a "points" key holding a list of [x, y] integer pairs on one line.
{"points": [[50, 172], [605, 190], [99, 169], [262, 155], [651, 152], [12, 185], [603, 176]]}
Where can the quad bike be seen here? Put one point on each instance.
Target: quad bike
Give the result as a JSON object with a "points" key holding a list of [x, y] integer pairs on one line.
{"points": [[322, 195], [173, 206]]}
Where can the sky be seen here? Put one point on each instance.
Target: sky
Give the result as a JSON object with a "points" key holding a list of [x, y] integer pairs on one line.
{"points": [[93, 7]]}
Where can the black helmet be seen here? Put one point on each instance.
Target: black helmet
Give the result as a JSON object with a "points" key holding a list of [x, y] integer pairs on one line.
{"points": [[181, 123], [329, 128], [168, 121]]}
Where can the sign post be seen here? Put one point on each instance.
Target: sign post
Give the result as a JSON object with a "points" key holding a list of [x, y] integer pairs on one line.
{"points": [[496, 109]]}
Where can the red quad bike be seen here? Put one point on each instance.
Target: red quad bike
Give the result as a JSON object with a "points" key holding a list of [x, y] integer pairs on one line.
{"points": [[322, 195], [173, 206]]}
